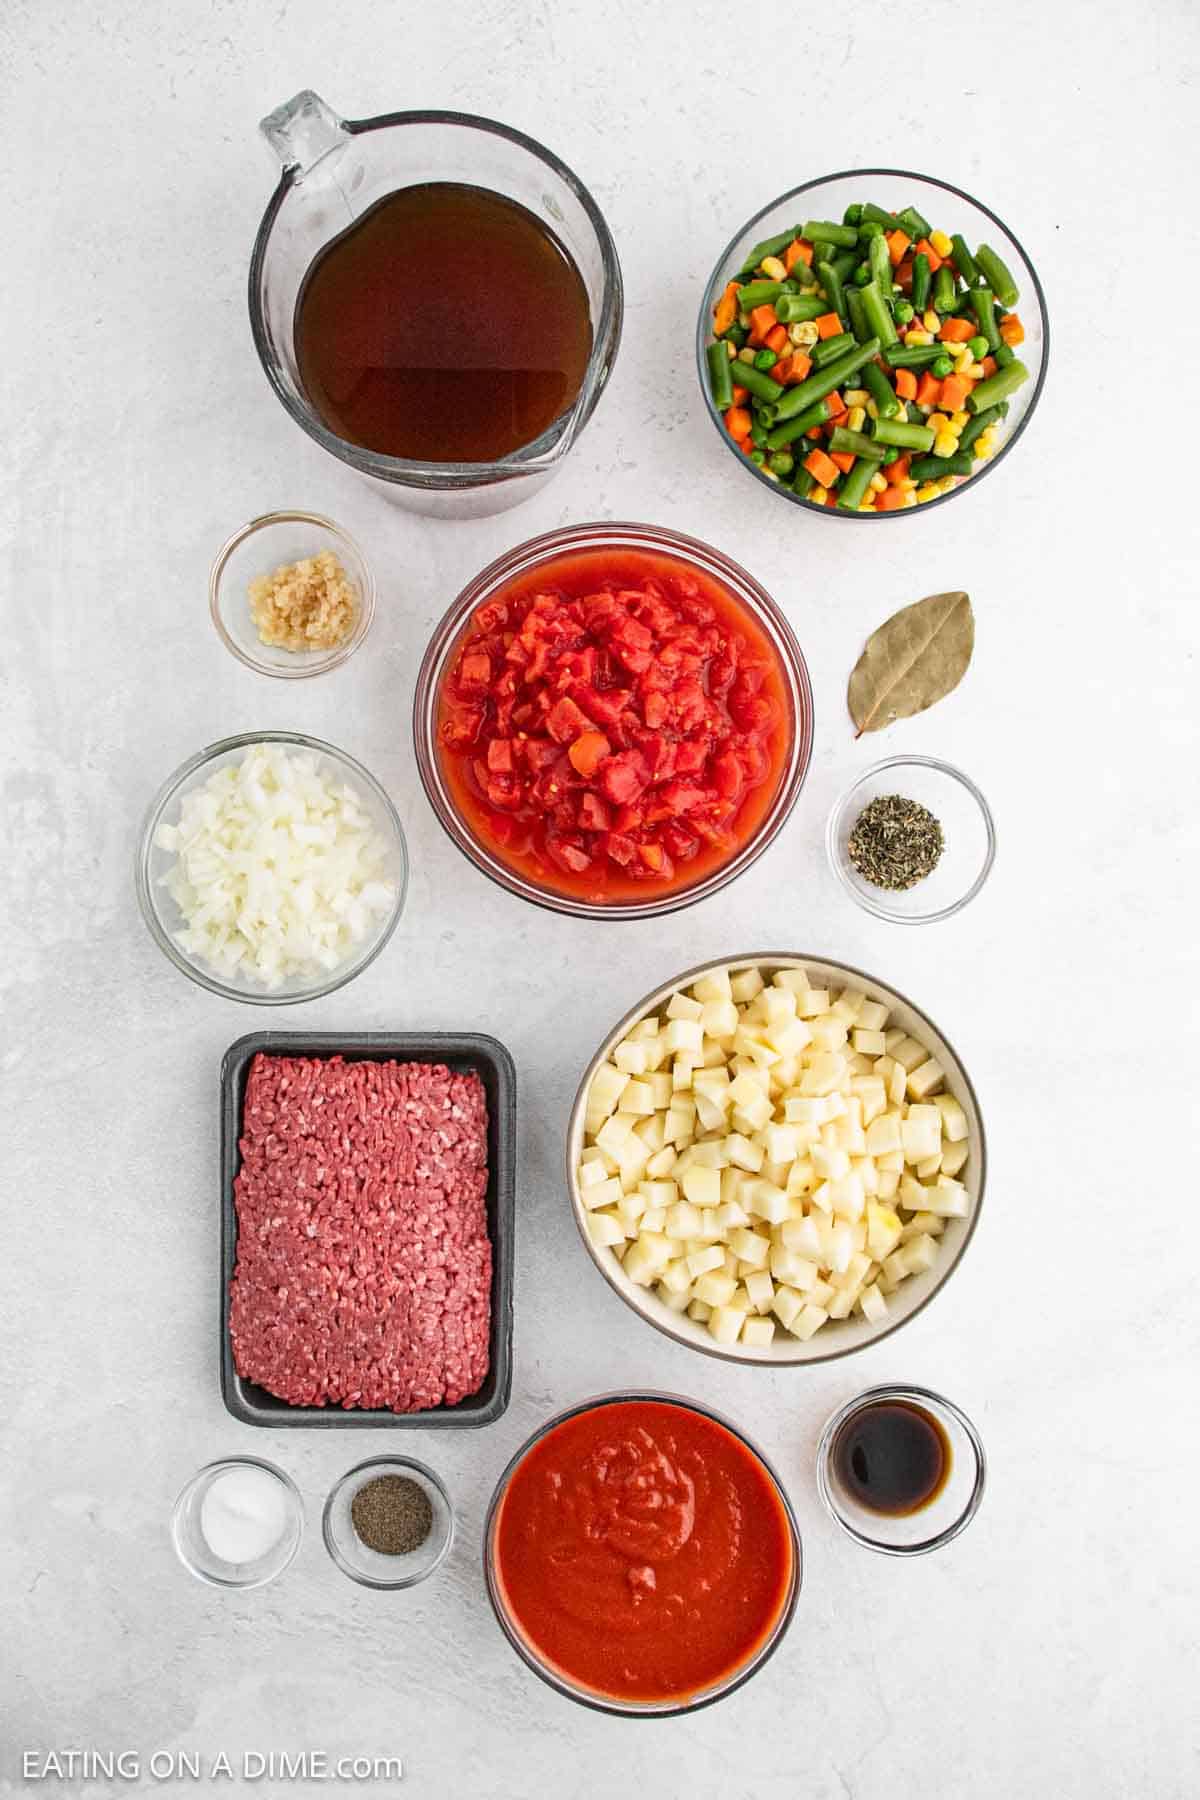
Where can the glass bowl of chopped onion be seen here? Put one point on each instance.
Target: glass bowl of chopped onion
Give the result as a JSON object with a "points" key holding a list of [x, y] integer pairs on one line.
{"points": [[911, 840], [271, 868], [291, 595]]}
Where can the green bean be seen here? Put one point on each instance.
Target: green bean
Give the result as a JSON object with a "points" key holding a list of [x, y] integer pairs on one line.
{"points": [[844, 264], [876, 314], [870, 228], [736, 335], [855, 484], [804, 483], [1004, 354], [758, 434], [880, 265], [756, 382], [904, 435], [758, 293], [821, 231], [824, 381], [769, 247], [997, 387], [913, 224], [854, 307], [829, 349], [852, 214], [912, 356], [798, 309], [997, 275], [890, 455], [964, 262], [975, 428], [853, 443], [945, 296], [719, 376], [983, 306], [862, 275], [831, 281], [932, 468], [921, 281], [880, 390], [791, 429], [877, 215]]}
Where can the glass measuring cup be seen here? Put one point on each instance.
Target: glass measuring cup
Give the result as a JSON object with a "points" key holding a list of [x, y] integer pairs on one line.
{"points": [[333, 171]]}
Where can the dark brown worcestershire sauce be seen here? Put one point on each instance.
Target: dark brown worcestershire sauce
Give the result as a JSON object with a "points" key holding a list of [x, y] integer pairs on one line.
{"points": [[446, 325], [892, 1457]]}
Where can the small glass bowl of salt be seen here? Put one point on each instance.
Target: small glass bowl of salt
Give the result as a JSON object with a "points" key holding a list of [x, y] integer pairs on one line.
{"points": [[238, 1523]]}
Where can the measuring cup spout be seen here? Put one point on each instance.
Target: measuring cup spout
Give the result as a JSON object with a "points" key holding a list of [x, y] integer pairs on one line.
{"points": [[302, 131]]}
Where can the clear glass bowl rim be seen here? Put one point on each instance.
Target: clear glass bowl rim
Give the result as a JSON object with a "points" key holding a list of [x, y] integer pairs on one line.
{"points": [[332, 659], [545, 451], [585, 1697], [879, 908], [764, 959], [597, 535], [237, 1462], [389, 1464], [704, 333], [919, 1395], [345, 972]]}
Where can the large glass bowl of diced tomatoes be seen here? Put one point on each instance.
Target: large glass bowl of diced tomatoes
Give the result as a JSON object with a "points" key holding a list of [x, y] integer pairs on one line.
{"points": [[613, 720], [872, 343]]}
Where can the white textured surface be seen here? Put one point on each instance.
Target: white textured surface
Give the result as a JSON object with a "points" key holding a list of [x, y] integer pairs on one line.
{"points": [[1051, 1651]]}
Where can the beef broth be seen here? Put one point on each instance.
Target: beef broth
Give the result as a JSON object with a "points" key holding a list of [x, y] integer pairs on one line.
{"points": [[447, 324]]}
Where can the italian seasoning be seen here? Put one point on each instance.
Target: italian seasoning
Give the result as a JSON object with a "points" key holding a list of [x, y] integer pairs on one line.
{"points": [[392, 1514], [895, 842]]}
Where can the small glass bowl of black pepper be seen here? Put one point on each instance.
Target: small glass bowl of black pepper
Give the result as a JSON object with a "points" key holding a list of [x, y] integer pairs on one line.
{"points": [[388, 1523], [901, 1470], [911, 840]]}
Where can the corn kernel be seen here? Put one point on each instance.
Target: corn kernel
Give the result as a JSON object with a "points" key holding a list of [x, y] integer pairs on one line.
{"points": [[945, 443], [746, 354], [855, 396], [928, 492], [931, 321], [769, 473], [937, 421], [879, 484], [908, 485], [856, 417], [732, 349], [866, 506], [872, 410], [961, 354], [914, 335], [959, 419], [819, 496], [773, 269], [973, 371], [910, 499], [947, 484], [941, 243], [901, 416]]}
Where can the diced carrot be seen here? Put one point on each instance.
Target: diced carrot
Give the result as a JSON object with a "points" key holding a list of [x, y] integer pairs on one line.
{"points": [[588, 750], [897, 242], [928, 389], [890, 499], [988, 365], [831, 500], [957, 331], [955, 389], [1012, 332], [904, 277], [820, 467], [777, 339], [725, 311], [836, 405], [815, 431], [738, 421], [897, 472], [906, 385], [844, 460], [779, 371], [801, 365], [740, 395], [828, 325], [797, 251], [762, 320], [927, 249]]}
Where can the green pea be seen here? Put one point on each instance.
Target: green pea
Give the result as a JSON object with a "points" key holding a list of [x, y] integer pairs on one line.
{"points": [[766, 359], [978, 346], [940, 366], [757, 457], [904, 312], [890, 456]]}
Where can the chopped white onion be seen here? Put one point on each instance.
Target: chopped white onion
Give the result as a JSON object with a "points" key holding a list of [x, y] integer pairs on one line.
{"points": [[279, 872]]}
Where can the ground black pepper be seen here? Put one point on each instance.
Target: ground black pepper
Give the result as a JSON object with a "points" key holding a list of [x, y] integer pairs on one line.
{"points": [[895, 842], [392, 1514]]}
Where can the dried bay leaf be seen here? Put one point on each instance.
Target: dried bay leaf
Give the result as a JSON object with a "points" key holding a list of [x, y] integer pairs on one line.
{"points": [[916, 657]]}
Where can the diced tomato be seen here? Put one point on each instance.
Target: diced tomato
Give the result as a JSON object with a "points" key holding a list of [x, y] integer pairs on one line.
{"points": [[565, 721], [593, 815], [619, 848], [621, 778], [500, 755], [475, 671]]}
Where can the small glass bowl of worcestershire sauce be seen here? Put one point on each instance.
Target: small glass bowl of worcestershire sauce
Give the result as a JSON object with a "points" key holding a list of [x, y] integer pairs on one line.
{"points": [[435, 299], [901, 1470]]}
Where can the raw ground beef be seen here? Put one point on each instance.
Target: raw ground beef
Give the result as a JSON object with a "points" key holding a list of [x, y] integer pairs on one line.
{"points": [[364, 1267]]}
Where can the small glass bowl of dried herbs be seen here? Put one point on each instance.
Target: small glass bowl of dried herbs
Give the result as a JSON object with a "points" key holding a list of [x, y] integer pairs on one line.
{"points": [[388, 1523], [912, 840]]}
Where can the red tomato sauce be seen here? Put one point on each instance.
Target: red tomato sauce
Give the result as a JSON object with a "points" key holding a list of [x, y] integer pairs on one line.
{"points": [[643, 1551], [614, 725]]}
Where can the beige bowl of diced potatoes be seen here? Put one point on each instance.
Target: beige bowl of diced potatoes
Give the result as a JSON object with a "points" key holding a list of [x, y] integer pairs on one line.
{"points": [[776, 1159]]}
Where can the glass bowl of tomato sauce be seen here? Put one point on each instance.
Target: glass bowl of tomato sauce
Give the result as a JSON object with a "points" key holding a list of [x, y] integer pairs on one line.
{"points": [[641, 1555], [613, 720]]}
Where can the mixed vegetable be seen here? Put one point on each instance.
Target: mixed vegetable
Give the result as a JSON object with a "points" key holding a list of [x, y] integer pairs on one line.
{"points": [[867, 365]]}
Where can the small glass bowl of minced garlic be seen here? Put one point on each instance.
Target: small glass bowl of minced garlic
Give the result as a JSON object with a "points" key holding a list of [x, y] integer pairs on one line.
{"points": [[911, 840], [291, 595]]}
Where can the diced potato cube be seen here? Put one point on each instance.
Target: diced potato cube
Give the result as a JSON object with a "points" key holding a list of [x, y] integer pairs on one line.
{"points": [[758, 1332], [680, 1124], [761, 1290], [829, 1164], [812, 1002], [715, 1289], [826, 1069], [652, 1132], [712, 986], [954, 1158], [849, 1004], [789, 1037], [739, 1150], [922, 1080], [631, 1057], [821, 1293], [728, 1216], [608, 1084], [745, 985], [726, 1324], [802, 1236], [684, 1035], [828, 1032], [867, 1043], [732, 1183], [662, 1162], [654, 1219], [919, 1254], [750, 1246], [786, 1304], [839, 1246], [719, 1019], [766, 1201], [890, 1160], [591, 1174], [884, 1134], [614, 1134], [913, 1193], [775, 1002], [803, 1109], [884, 1230], [701, 1259], [682, 1070], [631, 1208], [808, 1321], [872, 1303], [677, 1302], [842, 1304], [928, 1169], [753, 1116], [847, 1196], [949, 1199], [647, 1257], [662, 1088], [868, 1174], [682, 1006], [683, 1220], [602, 1193], [894, 1036], [923, 1222], [605, 1230], [702, 1186], [894, 1266], [801, 1177], [908, 1053], [822, 1197], [872, 1015], [780, 1144], [889, 1182], [700, 1311], [921, 1133], [954, 1119], [677, 1277], [708, 1153], [710, 1113]]}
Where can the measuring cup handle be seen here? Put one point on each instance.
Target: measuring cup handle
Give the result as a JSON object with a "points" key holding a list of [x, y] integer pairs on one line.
{"points": [[303, 130]]}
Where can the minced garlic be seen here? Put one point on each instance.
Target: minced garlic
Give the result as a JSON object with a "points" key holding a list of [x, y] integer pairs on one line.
{"points": [[306, 605]]}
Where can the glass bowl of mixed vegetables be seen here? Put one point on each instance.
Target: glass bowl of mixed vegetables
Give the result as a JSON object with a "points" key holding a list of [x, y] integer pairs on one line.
{"points": [[872, 343]]}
